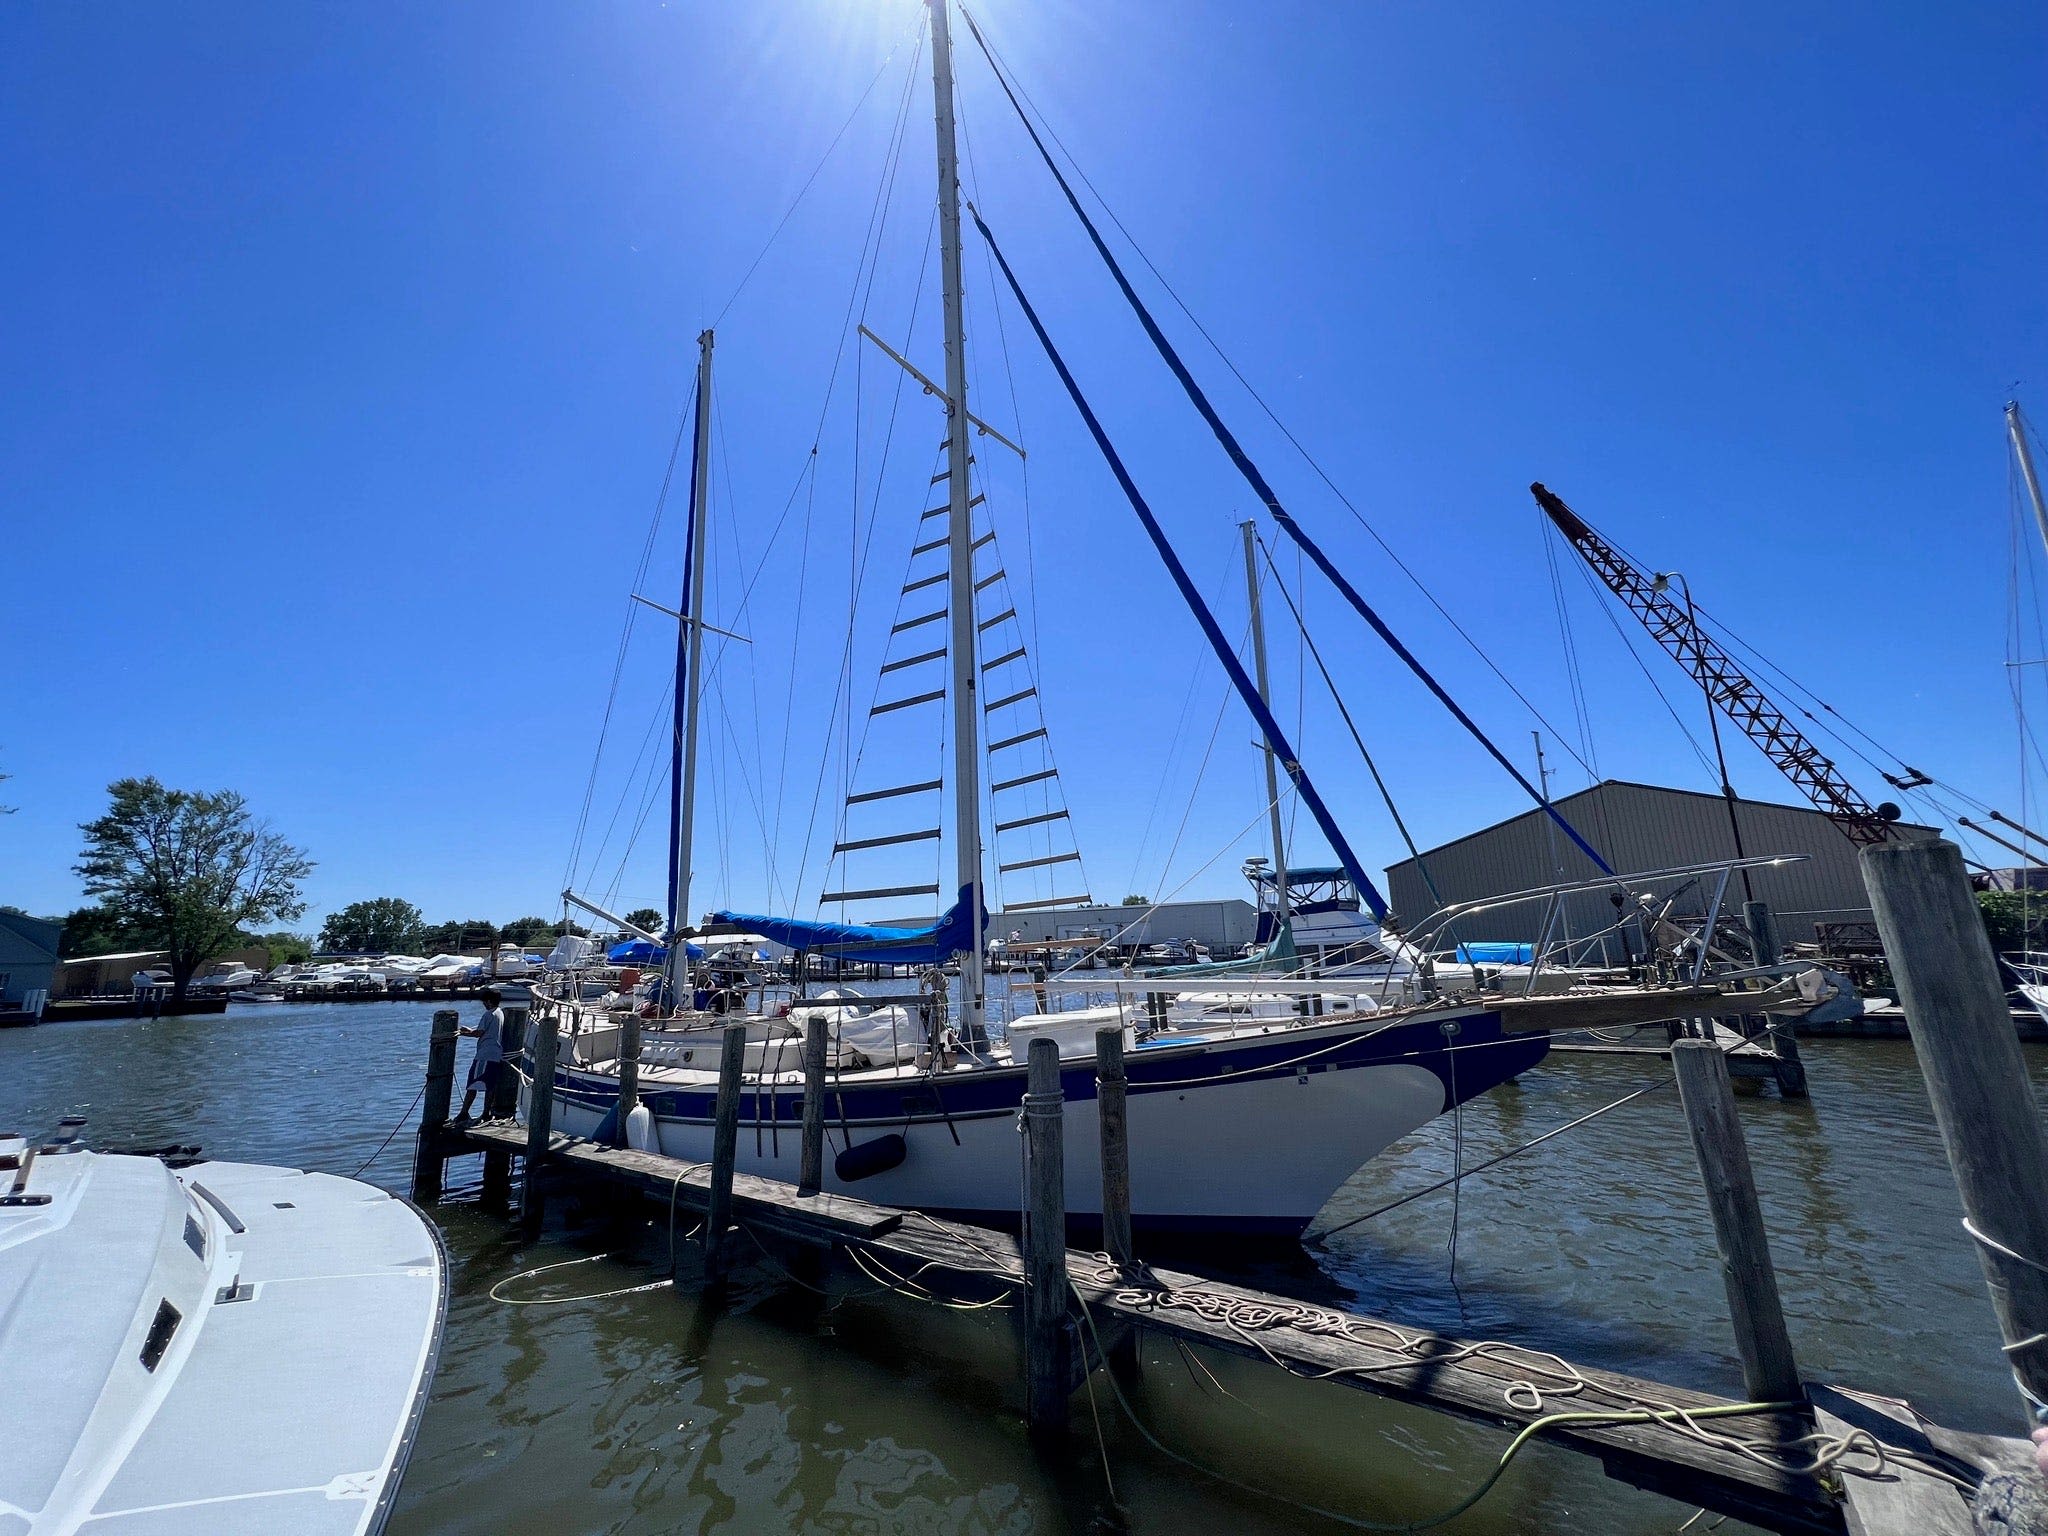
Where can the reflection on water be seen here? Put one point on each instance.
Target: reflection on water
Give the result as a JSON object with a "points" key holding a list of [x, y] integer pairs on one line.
{"points": [[656, 1412]]}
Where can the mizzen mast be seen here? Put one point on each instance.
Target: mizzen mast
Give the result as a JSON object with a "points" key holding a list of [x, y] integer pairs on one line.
{"points": [[689, 690], [966, 699], [1281, 904]]}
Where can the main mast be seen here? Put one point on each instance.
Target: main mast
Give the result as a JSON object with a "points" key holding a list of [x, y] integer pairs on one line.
{"points": [[689, 689], [960, 546], [1281, 905]]}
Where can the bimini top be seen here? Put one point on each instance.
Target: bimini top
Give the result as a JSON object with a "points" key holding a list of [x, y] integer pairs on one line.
{"points": [[223, 1351], [929, 945]]}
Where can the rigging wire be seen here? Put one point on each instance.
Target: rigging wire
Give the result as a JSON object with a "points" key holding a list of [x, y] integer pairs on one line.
{"points": [[1350, 725], [870, 246], [1166, 759], [625, 638], [1629, 644], [790, 212], [1568, 643], [852, 754], [1006, 77]]}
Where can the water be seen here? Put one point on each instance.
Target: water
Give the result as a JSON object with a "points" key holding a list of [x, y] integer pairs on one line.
{"points": [[651, 1412]]}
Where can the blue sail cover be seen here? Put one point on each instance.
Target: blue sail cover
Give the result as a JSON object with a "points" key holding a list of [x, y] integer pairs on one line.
{"points": [[640, 952], [929, 945]]}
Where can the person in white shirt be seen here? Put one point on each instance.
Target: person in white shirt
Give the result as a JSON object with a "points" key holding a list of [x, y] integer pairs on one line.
{"points": [[488, 1064]]}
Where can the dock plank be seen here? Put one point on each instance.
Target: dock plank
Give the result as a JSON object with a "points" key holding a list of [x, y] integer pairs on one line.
{"points": [[832, 1216], [1903, 1500], [1650, 1456]]}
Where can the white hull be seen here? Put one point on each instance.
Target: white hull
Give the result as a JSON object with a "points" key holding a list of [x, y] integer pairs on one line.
{"points": [[231, 1348], [1258, 1155], [1251, 1131]]}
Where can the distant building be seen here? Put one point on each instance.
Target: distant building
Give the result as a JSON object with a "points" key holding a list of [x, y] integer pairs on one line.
{"points": [[1223, 926], [1640, 828], [113, 975], [28, 961], [107, 975]]}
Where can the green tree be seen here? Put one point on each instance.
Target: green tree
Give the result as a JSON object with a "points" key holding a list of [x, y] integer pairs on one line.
{"points": [[1137, 901], [99, 930], [456, 938], [284, 948], [2006, 918], [383, 925], [648, 918], [527, 930], [190, 867]]}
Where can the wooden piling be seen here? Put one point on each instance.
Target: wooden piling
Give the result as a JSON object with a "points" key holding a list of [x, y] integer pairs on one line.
{"points": [[1110, 1084], [1047, 1349], [1763, 933], [429, 1162], [540, 1119], [1962, 1033], [725, 1145], [811, 1159], [1769, 1373], [629, 1075]]}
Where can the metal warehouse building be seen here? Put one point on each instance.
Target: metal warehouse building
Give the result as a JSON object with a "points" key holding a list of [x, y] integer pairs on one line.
{"points": [[1224, 926], [1640, 827]]}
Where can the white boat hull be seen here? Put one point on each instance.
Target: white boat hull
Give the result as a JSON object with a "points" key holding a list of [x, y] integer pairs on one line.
{"points": [[1249, 1134]]}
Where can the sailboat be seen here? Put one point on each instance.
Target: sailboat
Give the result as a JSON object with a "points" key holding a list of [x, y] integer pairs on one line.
{"points": [[1243, 1117]]}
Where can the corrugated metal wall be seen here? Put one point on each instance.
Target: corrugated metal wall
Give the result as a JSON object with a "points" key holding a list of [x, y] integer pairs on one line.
{"points": [[1228, 924], [1640, 827]]}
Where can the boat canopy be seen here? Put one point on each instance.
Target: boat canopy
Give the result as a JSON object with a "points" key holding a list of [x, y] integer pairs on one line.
{"points": [[928, 945]]}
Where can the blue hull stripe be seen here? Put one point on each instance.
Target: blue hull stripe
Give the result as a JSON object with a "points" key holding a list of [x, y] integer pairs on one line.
{"points": [[1486, 1057]]}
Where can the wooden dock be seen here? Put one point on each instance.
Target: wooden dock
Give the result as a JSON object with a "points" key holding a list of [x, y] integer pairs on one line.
{"points": [[1788, 1456], [1485, 1383], [1089, 1306]]}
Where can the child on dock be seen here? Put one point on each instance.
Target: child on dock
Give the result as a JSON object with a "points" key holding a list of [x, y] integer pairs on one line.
{"points": [[488, 1064]]}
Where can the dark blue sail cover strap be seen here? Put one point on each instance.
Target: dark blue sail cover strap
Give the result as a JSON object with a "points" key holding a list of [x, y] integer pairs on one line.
{"points": [[1258, 481], [1239, 679]]}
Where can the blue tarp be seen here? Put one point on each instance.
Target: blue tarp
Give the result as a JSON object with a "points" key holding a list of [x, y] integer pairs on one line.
{"points": [[1497, 954], [640, 952], [929, 945]]}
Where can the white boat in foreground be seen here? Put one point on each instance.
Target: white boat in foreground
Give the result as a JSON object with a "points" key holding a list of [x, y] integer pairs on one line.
{"points": [[226, 1348]]}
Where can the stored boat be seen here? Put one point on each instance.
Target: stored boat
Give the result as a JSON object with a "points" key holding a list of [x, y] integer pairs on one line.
{"points": [[225, 1347]]}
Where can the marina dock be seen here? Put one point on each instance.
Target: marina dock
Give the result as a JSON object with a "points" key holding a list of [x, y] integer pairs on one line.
{"points": [[1483, 1382], [1791, 1456]]}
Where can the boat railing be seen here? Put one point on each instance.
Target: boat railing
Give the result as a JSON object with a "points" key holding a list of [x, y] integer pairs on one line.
{"points": [[1636, 894]]}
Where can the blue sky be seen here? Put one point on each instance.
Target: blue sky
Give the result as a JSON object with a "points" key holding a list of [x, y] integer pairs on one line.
{"points": [[347, 344]]}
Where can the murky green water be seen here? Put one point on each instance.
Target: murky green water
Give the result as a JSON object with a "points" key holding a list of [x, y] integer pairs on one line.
{"points": [[651, 1412]]}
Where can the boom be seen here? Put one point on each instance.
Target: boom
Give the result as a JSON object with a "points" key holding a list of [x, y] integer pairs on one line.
{"points": [[1673, 626]]}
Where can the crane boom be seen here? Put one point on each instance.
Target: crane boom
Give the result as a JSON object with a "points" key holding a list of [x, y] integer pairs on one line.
{"points": [[1673, 626]]}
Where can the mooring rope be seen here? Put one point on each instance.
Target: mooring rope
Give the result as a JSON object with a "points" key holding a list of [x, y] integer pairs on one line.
{"points": [[1829, 1452]]}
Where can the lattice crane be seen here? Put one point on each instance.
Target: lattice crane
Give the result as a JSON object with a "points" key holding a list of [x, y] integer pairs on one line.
{"points": [[1673, 626]]}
